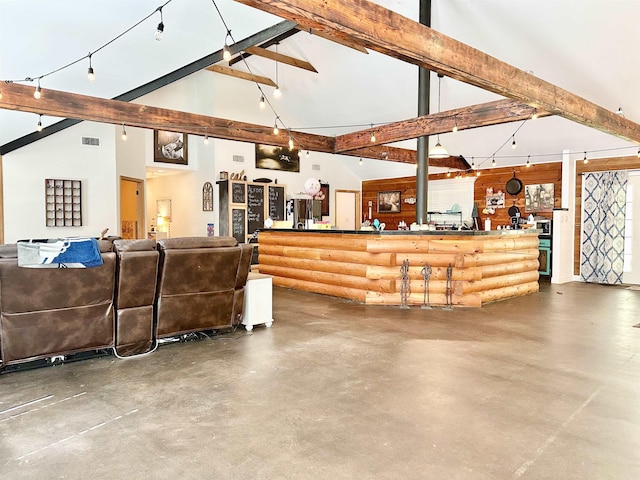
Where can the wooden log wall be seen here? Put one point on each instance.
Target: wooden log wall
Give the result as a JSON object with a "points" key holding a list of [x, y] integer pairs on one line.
{"points": [[601, 165], [366, 267], [495, 178]]}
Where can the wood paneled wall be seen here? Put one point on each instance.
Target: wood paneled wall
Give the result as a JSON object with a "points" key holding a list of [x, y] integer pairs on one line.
{"points": [[495, 178], [602, 165]]}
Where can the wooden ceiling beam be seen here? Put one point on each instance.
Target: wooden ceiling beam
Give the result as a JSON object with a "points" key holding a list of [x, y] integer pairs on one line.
{"points": [[279, 57], [56, 103], [482, 115], [272, 41], [387, 32], [250, 77], [406, 155]]}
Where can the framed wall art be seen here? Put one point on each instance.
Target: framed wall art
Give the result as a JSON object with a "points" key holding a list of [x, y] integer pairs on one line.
{"points": [[277, 158], [389, 202], [170, 147]]}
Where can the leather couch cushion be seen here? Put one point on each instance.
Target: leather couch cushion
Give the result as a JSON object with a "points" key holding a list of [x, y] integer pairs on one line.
{"points": [[196, 242], [134, 245]]}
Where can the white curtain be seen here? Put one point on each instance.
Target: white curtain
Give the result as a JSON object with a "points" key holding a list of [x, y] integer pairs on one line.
{"points": [[604, 200]]}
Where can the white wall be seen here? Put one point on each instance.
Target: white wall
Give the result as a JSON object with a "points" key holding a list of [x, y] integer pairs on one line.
{"points": [[61, 156]]}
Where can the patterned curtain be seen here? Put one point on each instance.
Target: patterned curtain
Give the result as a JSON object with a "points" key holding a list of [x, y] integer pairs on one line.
{"points": [[604, 198]]}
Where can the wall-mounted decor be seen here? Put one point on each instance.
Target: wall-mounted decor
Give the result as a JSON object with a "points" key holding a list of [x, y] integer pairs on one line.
{"points": [[495, 200], [324, 190], [539, 197], [63, 203], [211, 230], [170, 147], [389, 202], [277, 158], [207, 197]]}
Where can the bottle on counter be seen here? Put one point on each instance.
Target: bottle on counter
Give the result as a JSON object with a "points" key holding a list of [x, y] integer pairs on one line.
{"points": [[487, 224]]}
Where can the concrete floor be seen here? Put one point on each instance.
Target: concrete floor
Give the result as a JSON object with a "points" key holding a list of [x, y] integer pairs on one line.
{"points": [[540, 387]]}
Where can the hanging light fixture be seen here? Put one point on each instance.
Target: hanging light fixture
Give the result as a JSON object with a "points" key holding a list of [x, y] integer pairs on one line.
{"points": [[638, 150], [262, 103], [438, 151], [455, 124], [275, 127], [493, 162], [160, 27], [534, 115], [290, 141], [277, 92], [373, 135], [206, 139], [226, 53], [473, 163], [513, 143], [307, 153], [38, 91], [90, 75], [528, 161], [585, 160], [360, 161], [124, 133], [39, 126]]}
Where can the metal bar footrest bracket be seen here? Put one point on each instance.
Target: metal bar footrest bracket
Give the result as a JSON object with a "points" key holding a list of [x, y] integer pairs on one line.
{"points": [[449, 289], [426, 275], [405, 284]]}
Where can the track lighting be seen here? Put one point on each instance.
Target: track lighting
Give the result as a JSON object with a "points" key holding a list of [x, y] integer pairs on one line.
{"points": [[226, 53], [90, 75], [493, 162], [124, 133], [39, 126], [585, 160], [262, 103], [528, 161], [160, 27], [513, 143], [455, 124], [38, 91]]}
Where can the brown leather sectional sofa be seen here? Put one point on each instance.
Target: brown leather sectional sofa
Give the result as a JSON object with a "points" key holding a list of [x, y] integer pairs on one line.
{"points": [[143, 291]]}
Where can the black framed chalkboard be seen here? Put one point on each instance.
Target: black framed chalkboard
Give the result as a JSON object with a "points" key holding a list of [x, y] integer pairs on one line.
{"points": [[255, 207], [238, 192], [239, 224], [276, 202]]}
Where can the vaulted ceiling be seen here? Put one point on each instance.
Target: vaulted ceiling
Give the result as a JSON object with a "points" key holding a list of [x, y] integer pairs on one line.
{"points": [[582, 46]]}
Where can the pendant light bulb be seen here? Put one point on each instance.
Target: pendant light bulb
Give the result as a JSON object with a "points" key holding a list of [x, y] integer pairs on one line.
{"points": [[206, 139], [160, 27], [124, 133], [438, 151], [639, 153], [473, 163], [455, 124], [308, 154], [262, 103], [477, 173], [528, 161], [290, 142], [38, 91], [373, 137], [448, 173], [585, 160], [90, 74], [39, 127], [513, 143], [275, 128], [493, 162], [277, 92], [360, 161], [534, 115]]}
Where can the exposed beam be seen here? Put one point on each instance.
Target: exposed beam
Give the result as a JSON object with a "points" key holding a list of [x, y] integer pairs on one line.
{"points": [[274, 31], [336, 37], [242, 75], [267, 44], [82, 107], [279, 57], [405, 155], [492, 113], [387, 32]]}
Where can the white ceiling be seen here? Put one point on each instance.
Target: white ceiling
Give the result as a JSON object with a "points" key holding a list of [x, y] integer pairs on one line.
{"points": [[585, 46]]}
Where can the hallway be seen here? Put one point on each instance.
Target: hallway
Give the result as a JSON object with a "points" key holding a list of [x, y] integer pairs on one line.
{"points": [[538, 387]]}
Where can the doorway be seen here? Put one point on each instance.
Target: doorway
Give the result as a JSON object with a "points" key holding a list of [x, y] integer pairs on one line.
{"points": [[132, 224], [347, 209]]}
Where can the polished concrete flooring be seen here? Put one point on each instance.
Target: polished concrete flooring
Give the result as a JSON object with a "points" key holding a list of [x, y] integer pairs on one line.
{"points": [[541, 387]]}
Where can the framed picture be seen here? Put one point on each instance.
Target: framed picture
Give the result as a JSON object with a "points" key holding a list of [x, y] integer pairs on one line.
{"points": [[495, 200], [324, 188], [277, 158], [207, 197], [389, 202], [539, 197], [170, 147]]}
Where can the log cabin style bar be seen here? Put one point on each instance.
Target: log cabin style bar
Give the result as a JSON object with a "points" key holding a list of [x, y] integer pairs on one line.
{"points": [[465, 268]]}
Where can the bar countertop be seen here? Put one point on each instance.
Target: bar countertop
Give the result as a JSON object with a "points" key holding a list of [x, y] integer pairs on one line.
{"points": [[454, 233]]}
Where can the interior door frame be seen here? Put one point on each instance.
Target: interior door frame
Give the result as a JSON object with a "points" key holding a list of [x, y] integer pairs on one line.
{"points": [[141, 226], [357, 205]]}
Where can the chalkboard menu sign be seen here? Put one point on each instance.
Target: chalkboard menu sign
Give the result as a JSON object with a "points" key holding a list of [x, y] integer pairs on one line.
{"points": [[238, 224], [255, 207], [238, 192], [276, 202]]}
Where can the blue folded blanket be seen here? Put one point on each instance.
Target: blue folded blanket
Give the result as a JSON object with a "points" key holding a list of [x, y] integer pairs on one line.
{"points": [[59, 253]]}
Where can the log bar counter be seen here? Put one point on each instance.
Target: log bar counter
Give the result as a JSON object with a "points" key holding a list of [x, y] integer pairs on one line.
{"points": [[365, 266]]}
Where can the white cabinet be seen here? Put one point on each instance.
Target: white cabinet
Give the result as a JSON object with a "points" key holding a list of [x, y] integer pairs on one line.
{"points": [[257, 301]]}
